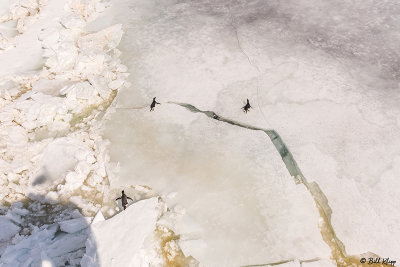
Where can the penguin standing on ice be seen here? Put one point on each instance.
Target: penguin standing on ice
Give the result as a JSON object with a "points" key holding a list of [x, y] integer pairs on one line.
{"points": [[247, 107], [124, 199], [153, 104]]}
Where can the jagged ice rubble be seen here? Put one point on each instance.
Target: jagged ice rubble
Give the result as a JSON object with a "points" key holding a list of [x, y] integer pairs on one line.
{"points": [[309, 177]]}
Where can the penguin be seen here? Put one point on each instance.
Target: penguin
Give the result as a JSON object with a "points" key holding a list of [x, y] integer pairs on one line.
{"points": [[124, 199], [153, 104], [247, 107]]}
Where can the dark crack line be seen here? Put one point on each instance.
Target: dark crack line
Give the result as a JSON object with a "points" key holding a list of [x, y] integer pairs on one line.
{"points": [[235, 29], [286, 155], [328, 234]]}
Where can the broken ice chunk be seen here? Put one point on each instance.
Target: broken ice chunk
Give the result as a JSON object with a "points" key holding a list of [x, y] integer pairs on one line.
{"points": [[8, 228], [74, 225]]}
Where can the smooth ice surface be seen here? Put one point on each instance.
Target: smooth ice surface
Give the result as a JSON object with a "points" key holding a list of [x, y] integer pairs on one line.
{"points": [[318, 263], [324, 75], [228, 191], [117, 241]]}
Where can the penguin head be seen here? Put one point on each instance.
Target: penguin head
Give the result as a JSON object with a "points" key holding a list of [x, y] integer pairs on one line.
{"points": [[123, 192]]}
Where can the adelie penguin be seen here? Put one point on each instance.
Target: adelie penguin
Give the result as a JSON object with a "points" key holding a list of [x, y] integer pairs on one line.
{"points": [[153, 104], [247, 107], [124, 199]]}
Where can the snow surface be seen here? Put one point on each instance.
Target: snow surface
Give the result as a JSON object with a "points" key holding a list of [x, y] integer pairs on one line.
{"points": [[323, 74], [57, 79], [117, 241]]}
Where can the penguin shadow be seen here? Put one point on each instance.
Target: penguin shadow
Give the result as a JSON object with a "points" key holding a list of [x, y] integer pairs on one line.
{"points": [[42, 177]]}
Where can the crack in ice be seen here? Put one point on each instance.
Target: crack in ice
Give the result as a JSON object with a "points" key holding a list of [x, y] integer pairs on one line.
{"points": [[235, 29], [328, 233]]}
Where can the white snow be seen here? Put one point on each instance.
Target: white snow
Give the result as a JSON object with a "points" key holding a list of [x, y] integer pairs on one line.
{"points": [[318, 263], [117, 241], [56, 78], [323, 74], [45, 110]]}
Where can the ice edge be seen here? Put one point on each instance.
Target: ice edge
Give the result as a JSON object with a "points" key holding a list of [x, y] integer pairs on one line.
{"points": [[328, 234]]}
